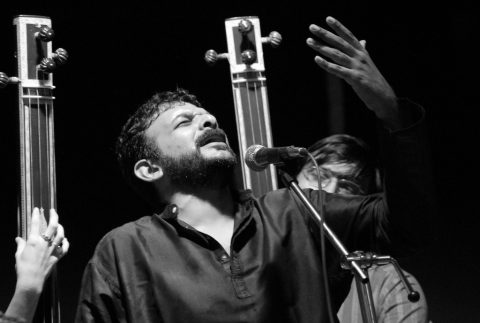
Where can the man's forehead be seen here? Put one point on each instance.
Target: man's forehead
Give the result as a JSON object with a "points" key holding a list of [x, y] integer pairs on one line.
{"points": [[168, 113], [174, 108]]}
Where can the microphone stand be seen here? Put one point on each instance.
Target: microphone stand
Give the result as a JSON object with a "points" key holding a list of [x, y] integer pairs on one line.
{"points": [[357, 262]]}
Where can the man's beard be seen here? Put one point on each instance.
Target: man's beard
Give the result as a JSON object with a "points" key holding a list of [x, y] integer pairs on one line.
{"points": [[195, 171], [192, 171]]}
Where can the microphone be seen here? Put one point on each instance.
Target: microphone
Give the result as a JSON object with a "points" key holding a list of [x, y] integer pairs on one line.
{"points": [[258, 157]]}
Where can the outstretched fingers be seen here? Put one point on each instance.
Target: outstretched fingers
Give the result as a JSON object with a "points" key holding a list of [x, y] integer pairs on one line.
{"points": [[340, 52], [334, 69], [331, 39], [344, 32], [334, 54]]}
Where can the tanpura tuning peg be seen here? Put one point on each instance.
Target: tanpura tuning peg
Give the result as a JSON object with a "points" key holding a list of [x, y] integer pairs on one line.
{"points": [[60, 56], [211, 56], [249, 56], [5, 80], [45, 34], [274, 39], [49, 64]]}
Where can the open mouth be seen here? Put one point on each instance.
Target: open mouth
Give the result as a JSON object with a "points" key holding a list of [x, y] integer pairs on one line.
{"points": [[217, 136]]}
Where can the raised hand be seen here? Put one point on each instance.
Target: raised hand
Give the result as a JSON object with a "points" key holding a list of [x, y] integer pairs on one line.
{"points": [[348, 59]]}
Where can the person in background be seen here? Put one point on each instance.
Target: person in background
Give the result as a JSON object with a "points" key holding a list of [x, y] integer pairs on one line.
{"points": [[35, 259], [347, 166]]}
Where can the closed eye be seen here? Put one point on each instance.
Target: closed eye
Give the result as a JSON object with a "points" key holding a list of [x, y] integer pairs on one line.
{"points": [[183, 122]]}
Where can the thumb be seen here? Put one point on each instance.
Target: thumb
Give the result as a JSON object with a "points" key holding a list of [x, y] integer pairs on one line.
{"points": [[363, 42], [20, 245]]}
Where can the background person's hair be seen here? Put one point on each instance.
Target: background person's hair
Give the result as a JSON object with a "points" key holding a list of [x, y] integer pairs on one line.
{"points": [[132, 145], [343, 148]]}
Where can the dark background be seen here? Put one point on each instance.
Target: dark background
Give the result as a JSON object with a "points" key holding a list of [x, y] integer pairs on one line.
{"points": [[121, 54]]}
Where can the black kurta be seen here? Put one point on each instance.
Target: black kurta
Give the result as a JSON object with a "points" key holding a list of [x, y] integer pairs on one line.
{"points": [[159, 269]]}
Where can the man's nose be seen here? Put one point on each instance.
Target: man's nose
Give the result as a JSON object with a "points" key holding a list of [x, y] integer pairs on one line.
{"points": [[208, 121]]}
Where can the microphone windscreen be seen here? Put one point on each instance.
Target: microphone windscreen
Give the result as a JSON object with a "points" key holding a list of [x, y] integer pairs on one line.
{"points": [[250, 158]]}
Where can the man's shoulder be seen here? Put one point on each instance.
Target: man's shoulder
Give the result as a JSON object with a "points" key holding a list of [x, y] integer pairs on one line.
{"points": [[276, 196], [282, 203], [117, 248], [117, 238], [130, 227]]}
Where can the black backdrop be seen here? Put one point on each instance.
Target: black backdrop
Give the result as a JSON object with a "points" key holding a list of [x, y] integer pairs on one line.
{"points": [[121, 54]]}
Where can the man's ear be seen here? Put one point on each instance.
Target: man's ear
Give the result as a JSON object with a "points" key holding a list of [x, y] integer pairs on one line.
{"points": [[147, 171]]}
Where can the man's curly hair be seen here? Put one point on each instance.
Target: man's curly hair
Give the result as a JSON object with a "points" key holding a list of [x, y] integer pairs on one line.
{"points": [[132, 145]]}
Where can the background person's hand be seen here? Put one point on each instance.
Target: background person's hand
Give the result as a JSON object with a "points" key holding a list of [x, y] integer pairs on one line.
{"points": [[36, 257]]}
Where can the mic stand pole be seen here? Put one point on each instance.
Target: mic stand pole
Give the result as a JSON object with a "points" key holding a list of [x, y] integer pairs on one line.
{"points": [[361, 277]]}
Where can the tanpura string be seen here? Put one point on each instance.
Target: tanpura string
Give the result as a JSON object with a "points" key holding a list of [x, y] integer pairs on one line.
{"points": [[47, 148], [259, 117], [259, 123], [250, 114], [52, 155], [39, 126], [28, 125]]}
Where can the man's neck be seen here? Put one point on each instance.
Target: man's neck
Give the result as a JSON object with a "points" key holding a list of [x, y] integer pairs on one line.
{"points": [[204, 206], [208, 211]]}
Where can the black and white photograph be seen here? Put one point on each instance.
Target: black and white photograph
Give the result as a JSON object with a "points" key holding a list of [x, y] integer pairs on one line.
{"points": [[239, 161]]}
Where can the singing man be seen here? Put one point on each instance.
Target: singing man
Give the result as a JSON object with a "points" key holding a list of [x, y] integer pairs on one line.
{"points": [[210, 253]]}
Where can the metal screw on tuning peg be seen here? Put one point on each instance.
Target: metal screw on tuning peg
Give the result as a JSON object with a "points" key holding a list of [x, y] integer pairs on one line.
{"points": [[45, 34], [60, 56], [249, 57], [5, 80], [211, 56], [274, 39], [245, 26]]}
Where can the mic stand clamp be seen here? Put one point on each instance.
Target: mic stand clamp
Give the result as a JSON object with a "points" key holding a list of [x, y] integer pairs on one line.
{"points": [[367, 259]]}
